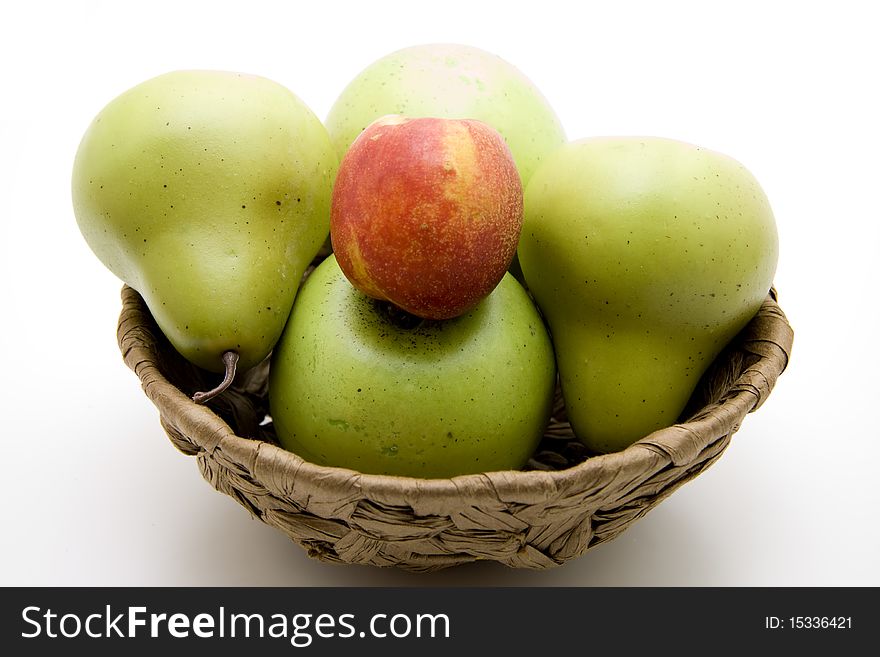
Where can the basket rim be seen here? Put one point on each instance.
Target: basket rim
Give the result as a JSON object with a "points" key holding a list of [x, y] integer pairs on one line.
{"points": [[675, 445]]}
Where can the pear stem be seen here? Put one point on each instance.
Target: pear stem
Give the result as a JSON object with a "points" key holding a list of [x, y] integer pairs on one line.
{"points": [[230, 362]]}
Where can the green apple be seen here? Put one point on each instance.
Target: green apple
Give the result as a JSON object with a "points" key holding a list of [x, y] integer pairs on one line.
{"points": [[356, 383], [450, 81], [208, 192], [647, 256]]}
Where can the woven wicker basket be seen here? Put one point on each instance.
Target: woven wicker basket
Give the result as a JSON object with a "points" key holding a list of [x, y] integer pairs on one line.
{"points": [[564, 503]]}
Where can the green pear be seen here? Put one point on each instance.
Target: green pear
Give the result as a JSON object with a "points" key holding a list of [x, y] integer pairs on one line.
{"points": [[208, 192], [356, 383], [647, 256]]}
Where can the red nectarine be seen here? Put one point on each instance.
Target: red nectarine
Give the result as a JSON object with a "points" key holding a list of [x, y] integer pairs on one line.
{"points": [[426, 213]]}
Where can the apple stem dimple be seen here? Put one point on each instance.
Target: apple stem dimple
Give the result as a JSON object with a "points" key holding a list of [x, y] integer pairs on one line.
{"points": [[230, 362], [400, 317]]}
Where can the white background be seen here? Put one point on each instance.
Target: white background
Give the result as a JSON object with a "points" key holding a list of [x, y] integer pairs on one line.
{"points": [[93, 493]]}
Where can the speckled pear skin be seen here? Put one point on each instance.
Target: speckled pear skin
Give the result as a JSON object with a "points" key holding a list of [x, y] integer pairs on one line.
{"points": [[208, 192], [353, 386], [646, 256]]}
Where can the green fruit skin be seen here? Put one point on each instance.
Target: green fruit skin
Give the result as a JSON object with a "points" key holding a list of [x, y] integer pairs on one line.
{"points": [[647, 256], [450, 81], [350, 388], [208, 192]]}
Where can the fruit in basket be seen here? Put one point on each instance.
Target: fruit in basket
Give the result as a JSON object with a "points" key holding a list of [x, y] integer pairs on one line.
{"points": [[426, 213], [647, 256], [356, 383], [208, 192], [450, 81]]}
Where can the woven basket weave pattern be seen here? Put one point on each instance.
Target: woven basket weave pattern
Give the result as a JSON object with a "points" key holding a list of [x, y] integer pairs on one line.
{"points": [[564, 504]]}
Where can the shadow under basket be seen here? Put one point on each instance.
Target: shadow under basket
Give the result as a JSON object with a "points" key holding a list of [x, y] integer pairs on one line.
{"points": [[565, 502]]}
